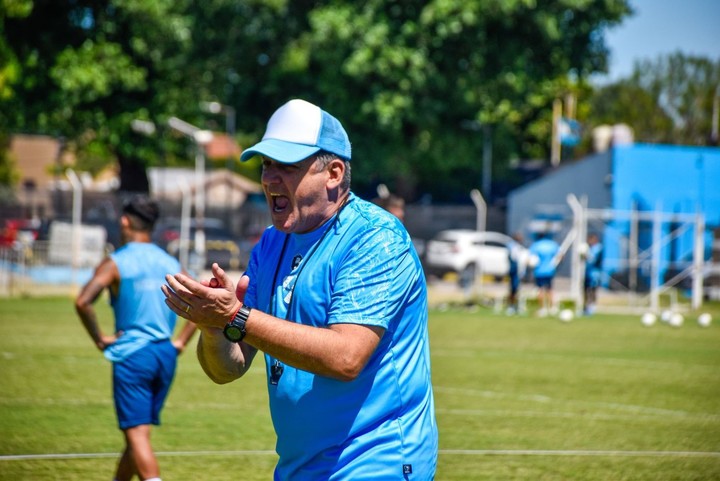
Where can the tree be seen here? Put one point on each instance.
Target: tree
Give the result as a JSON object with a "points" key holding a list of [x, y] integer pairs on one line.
{"points": [[668, 100], [403, 76], [407, 75], [88, 69]]}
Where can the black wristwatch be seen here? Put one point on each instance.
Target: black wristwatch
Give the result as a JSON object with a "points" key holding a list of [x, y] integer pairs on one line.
{"points": [[235, 330]]}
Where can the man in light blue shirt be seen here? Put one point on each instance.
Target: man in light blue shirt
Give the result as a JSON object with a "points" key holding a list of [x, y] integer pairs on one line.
{"points": [[335, 297], [544, 253]]}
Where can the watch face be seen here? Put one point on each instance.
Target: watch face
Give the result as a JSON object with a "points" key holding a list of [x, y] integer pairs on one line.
{"points": [[233, 333]]}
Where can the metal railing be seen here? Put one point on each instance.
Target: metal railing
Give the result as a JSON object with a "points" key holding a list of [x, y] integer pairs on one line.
{"points": [[31, 270]]}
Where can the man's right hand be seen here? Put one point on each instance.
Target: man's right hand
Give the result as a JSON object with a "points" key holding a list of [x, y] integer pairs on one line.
{"points": [[208, 304]]}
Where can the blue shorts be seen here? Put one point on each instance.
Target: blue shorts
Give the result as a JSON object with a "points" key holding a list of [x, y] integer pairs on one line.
{"points": [[544, 282], [141, 383], [592, 280], [514, 283]]}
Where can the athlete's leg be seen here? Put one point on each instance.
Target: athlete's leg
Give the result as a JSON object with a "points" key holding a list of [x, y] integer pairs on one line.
{"points": [[126, 467], [141, 451]]}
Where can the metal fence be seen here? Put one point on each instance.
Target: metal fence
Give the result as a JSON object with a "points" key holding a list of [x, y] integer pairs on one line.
{"points": [[33, 270]]}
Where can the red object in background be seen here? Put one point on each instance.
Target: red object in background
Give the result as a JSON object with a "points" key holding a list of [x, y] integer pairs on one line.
{"points": [[17, 229]]}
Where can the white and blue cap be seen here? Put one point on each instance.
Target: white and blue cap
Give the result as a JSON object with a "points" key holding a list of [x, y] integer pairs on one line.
{"points": [[298, 130]]}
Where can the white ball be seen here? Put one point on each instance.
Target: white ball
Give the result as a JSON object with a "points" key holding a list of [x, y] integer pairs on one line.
{"points": [[676, 320], [566, 315], [666, 315], [704, 319], [649, 319]]}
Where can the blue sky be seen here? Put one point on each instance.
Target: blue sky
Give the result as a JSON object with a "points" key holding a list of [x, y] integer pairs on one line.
{"points": [[661, 27]]}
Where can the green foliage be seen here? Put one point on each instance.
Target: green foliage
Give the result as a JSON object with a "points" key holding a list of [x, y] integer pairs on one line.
{"points": [[402, 76], [9, 175], [406, 75], [666, 100], [95, 70], [9, 67], [521, 398]]}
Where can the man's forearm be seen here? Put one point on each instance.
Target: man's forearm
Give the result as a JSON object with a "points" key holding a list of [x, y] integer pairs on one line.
{"points": [[89, 321], [221, 360]]}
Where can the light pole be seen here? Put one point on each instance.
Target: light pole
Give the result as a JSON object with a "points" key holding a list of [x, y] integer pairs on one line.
{"points": [[476, 126], [230, 117], [481, 207], [76, 221], [201, 138], [218, 108]]}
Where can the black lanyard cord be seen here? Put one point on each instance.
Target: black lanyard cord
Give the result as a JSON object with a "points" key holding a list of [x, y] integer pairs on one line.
{"points": [[276, 369]]}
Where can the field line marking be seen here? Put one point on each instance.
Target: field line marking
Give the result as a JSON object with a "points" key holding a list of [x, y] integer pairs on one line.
{"points": [[464, 452], [543, 399], [18, 457], [581, 452]]}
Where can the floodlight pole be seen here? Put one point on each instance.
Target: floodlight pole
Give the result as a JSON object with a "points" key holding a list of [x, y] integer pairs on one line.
{"points": [[76, 220], [230, 119], [218, 108], [201, 138], [476, 126], [481, 207], [184, 224], [487, 162]]}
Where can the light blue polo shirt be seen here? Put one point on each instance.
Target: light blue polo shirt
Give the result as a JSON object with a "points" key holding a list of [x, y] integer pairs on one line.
{"points": [[365, 271]]}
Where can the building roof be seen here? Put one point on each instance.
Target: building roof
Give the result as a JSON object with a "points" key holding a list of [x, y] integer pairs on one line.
{"points": [[222, 187]]}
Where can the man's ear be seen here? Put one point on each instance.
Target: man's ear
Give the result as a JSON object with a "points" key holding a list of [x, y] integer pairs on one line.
{"points": [[336, 169]]}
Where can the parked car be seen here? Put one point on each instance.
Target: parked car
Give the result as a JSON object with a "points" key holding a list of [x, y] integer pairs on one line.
{"points": [[470, 253], [221, 245]]}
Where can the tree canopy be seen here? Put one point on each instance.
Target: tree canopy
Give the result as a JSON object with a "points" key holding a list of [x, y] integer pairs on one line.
{"points": [[665, 100], [404, 77]]}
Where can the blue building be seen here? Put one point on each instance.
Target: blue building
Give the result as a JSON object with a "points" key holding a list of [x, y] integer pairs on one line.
{"points": [[657, 182]]}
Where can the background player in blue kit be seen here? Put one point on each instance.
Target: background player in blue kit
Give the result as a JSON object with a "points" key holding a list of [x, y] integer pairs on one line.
{"points": [[335, 297], [545, 253], [593, 255], [143, 355]]}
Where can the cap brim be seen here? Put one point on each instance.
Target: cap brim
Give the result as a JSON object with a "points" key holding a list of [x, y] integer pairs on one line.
{"points": [[281, 151]]}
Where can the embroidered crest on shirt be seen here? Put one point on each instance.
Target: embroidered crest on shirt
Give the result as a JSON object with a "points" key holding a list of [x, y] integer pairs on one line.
{"points": [[296, 261], [289, 281]]}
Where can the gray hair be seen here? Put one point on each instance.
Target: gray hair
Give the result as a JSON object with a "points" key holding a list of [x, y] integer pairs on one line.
{"points": [[323, 159]]}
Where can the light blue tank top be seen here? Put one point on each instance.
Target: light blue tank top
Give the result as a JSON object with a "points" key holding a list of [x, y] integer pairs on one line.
{"points": [[140, 310]]}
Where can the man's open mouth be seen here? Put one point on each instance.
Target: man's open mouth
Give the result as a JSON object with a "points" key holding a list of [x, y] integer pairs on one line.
{"points": [[279, 202]]}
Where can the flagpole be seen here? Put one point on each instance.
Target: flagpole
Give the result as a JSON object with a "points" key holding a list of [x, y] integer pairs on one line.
{"points": [[555, 141]]}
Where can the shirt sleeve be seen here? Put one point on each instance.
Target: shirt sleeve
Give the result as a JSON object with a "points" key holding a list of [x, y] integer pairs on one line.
{"points": [[374, 279]]}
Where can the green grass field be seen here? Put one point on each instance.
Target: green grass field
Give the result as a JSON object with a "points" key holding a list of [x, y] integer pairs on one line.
{"points": [[517, 398]]}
